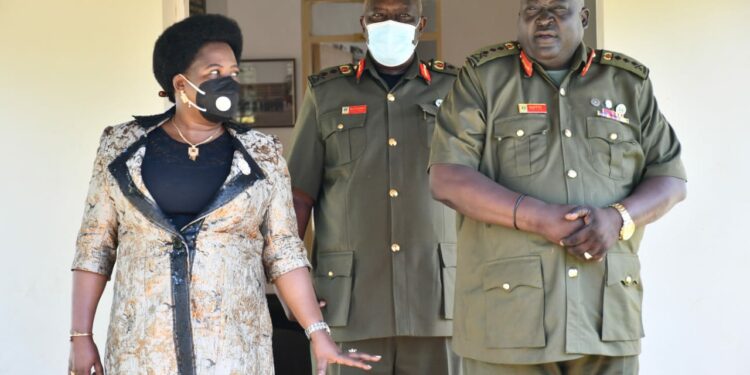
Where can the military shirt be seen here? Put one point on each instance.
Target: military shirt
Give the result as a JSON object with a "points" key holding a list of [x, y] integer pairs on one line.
{"points": [[588, 141], [384, 250]]}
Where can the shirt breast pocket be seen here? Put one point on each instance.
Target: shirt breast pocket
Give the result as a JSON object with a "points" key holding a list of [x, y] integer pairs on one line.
{"points": [[345, 137], [521, 144], [613, 149]]}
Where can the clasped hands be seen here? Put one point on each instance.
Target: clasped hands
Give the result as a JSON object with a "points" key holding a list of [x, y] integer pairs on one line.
{"points": [[585, 232]]}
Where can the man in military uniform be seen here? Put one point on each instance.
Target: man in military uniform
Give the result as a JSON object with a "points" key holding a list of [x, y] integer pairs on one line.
{"points": [[556, 157], [384, 250]]}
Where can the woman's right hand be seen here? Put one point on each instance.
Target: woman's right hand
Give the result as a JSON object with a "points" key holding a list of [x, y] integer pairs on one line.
{"points": [[84, 355]]}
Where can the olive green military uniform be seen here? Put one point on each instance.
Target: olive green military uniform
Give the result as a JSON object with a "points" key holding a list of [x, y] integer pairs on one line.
{"points": [[384, 250], [588, 141]]}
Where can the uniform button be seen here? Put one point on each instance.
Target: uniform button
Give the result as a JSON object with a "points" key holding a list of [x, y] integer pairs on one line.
{"points": [[330, 273], [613, 136], [393, 193], [520, 133], [340, 126], [506, 287], [562, 92], [628, 281], [568, 133], [395, 248], [392, 142], [572, 173], [391, 97], [573, 273]]}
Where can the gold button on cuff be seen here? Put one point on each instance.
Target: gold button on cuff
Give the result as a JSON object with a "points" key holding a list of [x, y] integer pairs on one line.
{"points": [[568, 133], [391, 97], [520, 133], [572, 173], [340, 126], [392, 142], [395, 248], [573, 273], [330, 273], [613, 136], [506, 286], [393, 193]]}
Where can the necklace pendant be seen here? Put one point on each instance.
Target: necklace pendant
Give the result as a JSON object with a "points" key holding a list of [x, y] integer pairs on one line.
{"points": [[193, 153]]}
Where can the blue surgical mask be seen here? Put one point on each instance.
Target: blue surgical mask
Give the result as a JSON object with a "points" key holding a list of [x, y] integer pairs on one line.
{"points": [[391, 43]]}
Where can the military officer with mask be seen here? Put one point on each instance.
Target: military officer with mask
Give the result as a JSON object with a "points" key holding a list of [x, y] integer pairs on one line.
{"points": [[556, 157], [384, 251]]}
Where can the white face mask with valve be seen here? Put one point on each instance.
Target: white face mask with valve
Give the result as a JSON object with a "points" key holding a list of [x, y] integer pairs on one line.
{"points": [[391, 43]]}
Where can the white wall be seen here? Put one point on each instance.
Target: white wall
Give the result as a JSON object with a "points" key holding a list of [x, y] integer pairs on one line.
{"points": [[68, 69], [695, 260]]}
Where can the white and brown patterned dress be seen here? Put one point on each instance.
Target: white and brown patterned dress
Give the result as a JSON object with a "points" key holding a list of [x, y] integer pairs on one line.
{"points": [[189, 300]]}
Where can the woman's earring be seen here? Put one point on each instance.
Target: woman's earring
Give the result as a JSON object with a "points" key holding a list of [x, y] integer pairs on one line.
{"points": [[184, 97]]}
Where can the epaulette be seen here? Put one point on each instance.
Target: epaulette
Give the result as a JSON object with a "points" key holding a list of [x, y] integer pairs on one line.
{"points": [[494, 52], [442, 67], [623, 62], [328, 74]]}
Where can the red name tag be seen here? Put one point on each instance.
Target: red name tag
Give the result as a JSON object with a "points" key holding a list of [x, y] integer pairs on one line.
{"points": [[532, 108], [354, 110]]}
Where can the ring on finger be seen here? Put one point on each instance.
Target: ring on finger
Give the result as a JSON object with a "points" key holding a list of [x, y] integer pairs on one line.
{"points": [[587, 255]]}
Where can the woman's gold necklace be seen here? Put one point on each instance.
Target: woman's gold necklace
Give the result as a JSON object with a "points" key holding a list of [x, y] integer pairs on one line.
{"points": [[193, 149]]}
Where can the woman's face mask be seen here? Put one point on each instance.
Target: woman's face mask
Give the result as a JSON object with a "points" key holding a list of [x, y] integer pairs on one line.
{"points": [[217, 99], [391, 43]]}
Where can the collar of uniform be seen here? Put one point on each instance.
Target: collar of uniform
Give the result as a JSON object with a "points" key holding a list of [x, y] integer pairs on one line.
{"points": [[416, 69], [148, 122], [582, 56]]}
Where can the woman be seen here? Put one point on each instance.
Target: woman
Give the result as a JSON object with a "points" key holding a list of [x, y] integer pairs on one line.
{"points": [[196, 211]]}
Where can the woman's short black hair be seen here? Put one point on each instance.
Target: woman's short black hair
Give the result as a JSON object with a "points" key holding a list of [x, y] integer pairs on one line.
{"points": [[178, 45]]}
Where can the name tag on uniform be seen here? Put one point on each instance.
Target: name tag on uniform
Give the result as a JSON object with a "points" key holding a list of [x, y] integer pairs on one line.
{"points": [[532, 108], [354, 110]]}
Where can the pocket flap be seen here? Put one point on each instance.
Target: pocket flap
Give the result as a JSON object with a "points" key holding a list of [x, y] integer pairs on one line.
{"points": [[334, 122], [624, 269], [335, 264], [608, 130], [429, 108], [509, 274], [447, 254], [520, 126]]}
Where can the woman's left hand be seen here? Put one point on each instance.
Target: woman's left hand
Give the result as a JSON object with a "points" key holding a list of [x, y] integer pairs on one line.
{"points": [[326, 353]]}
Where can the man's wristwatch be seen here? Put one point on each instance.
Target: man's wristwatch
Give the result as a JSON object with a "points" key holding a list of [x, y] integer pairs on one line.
{"points": [[628, 226], [319, 326]]}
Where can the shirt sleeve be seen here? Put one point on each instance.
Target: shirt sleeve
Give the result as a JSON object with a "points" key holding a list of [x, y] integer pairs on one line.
{"points": [[283, 251], [307, 150], [461, 123], [660, 145], [96, 245]]}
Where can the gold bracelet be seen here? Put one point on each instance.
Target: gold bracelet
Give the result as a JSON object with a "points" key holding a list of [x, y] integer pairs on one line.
{"points": [[79, 334]]}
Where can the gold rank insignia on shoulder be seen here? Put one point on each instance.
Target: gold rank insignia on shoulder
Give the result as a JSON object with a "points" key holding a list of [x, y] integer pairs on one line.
{"points": [[346, 69], [438, 65]]}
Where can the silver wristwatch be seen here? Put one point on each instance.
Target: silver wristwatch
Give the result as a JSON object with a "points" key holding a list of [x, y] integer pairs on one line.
{"points": [[319, 326]]}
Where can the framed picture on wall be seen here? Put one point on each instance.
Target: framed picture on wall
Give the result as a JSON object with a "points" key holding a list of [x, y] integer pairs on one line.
{"points": [[267, 93]]}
